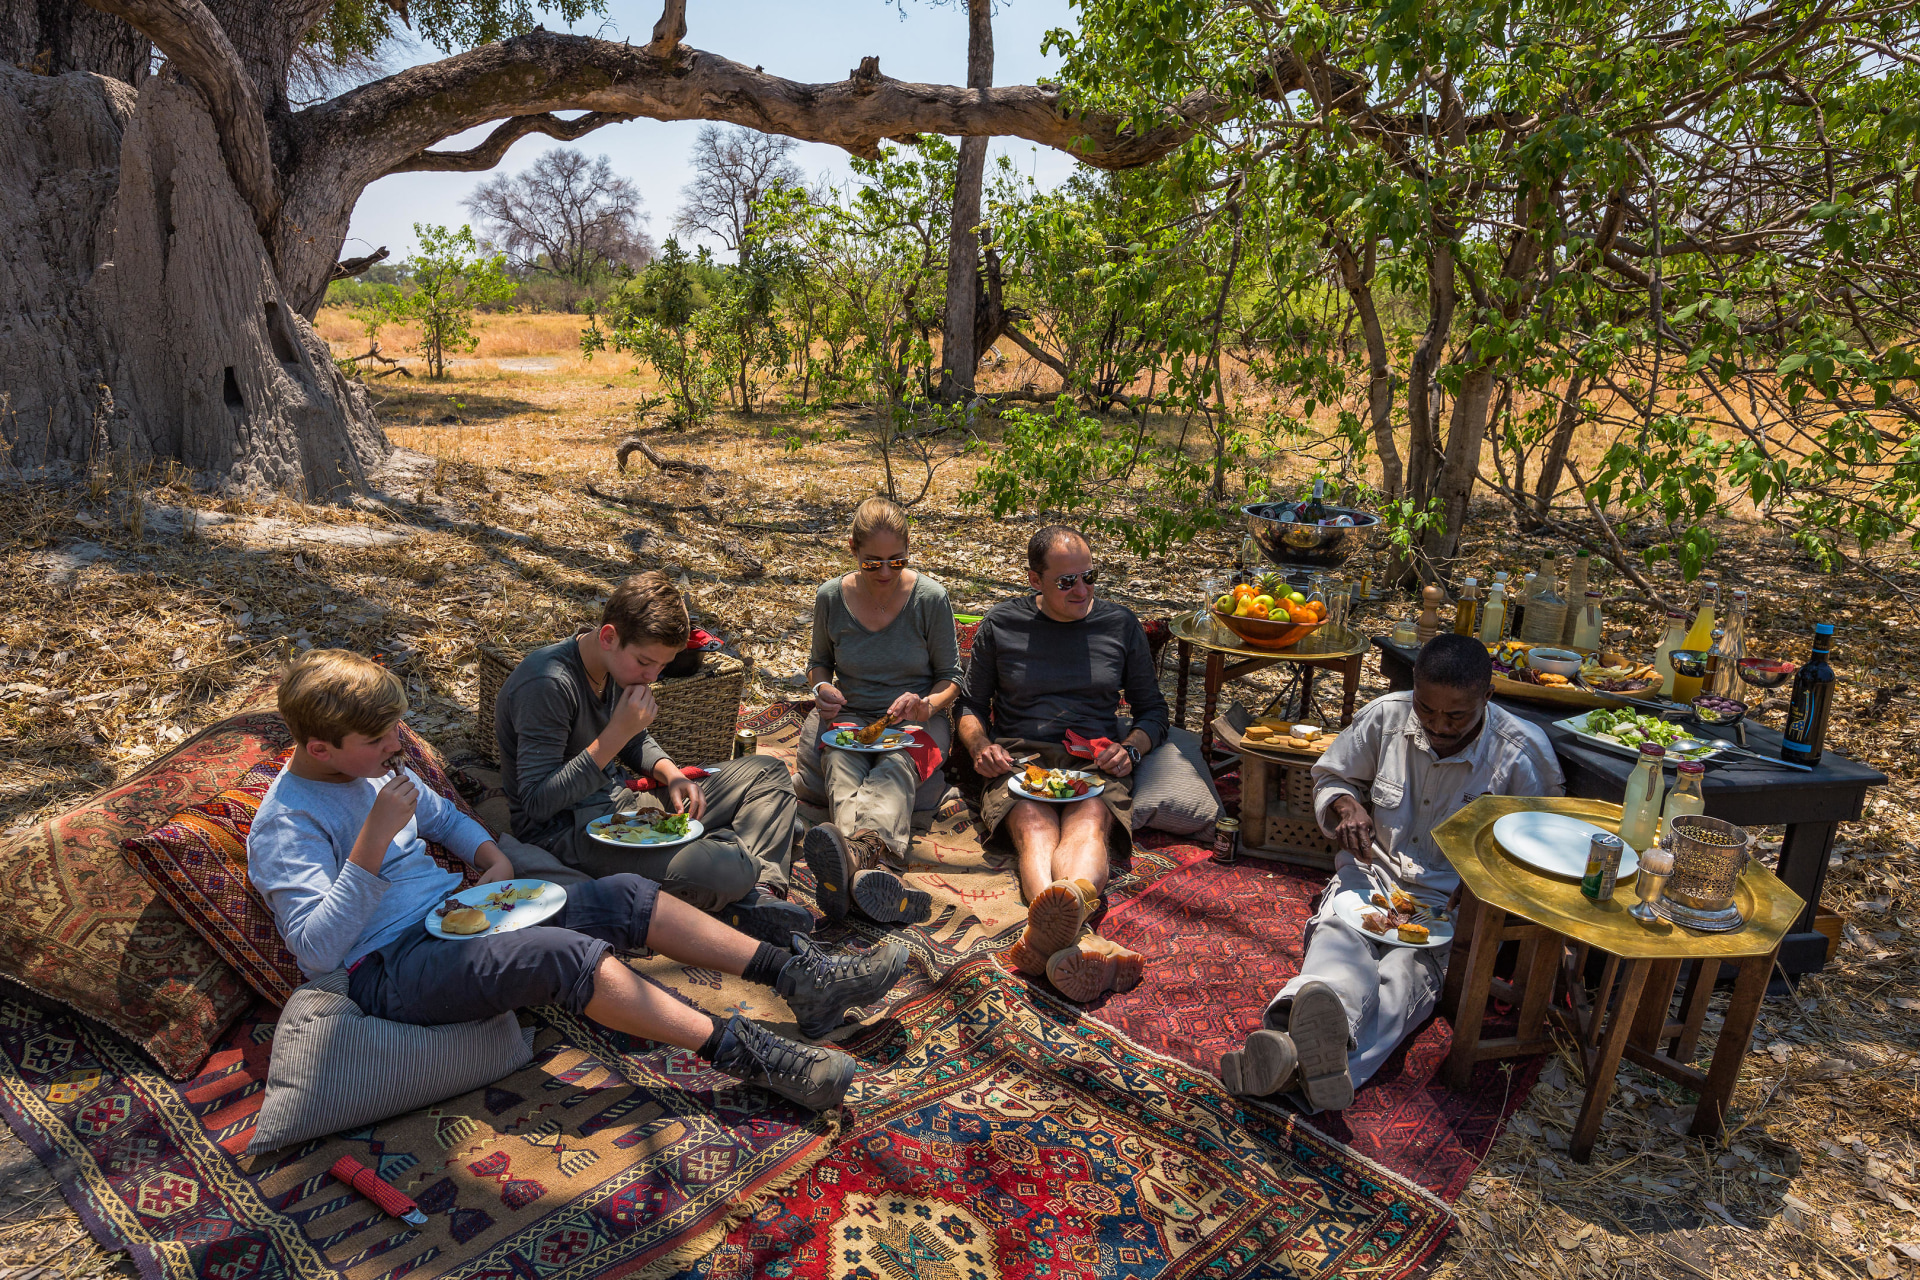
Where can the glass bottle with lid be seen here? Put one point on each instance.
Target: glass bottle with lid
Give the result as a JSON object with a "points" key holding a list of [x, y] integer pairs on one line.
{"points": [[1466, 608], [1686, 797], [1676, 638], [1640, 807], [1547, 610], [1493, 618], [1587, 628]]}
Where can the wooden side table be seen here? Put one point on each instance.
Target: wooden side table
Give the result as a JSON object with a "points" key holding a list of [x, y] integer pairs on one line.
{"points": [[1341, 651], [1629, 1014]]}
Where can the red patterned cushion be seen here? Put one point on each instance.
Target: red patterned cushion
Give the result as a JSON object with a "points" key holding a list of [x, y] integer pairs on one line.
{"points": [[197, 861]]}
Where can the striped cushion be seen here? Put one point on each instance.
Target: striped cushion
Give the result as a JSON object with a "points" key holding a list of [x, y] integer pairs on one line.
{"points": [[335, 1068], [1172, 791]]}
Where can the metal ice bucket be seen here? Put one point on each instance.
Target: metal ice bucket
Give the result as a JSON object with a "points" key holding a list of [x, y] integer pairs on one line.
{"points": [[1708, 856]]}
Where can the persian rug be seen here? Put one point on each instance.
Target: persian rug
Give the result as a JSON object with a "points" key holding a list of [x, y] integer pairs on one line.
{"points": [[1219, 941], [995, 1135], [605, 1156]]}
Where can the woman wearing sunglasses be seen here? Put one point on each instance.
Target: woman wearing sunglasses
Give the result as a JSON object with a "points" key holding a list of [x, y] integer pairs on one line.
{"points": [[883, 642]]}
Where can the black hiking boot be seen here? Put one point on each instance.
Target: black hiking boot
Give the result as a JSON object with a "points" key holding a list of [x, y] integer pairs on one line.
{"points": [[767, 917], [820, 987], [815, 1076]]}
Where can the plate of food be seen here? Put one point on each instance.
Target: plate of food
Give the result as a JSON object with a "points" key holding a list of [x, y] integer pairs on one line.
{"points": [[500, 907], [650, 829], [1514, 677], [1610, 671], [1300, 739], [882, 735], [1555, 843], [1055, 786], [1623, 731], [1397, 920]]}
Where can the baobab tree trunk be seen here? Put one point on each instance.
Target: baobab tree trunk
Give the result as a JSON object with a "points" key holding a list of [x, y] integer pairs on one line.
{"points": [[137, 267], [958, 356]]}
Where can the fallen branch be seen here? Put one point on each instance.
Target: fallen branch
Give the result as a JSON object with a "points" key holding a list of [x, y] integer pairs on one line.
{"points": [[635, 445]]}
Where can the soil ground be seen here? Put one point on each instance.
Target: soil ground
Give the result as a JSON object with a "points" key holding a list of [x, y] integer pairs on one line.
{"points": [[142, 609]]}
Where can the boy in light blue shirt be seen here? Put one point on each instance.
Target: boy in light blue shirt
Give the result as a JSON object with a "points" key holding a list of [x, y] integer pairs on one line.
{"points": [[338, 850]]}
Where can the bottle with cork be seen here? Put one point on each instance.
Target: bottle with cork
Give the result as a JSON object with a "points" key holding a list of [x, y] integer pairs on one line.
{"points": [[1547, 610]]}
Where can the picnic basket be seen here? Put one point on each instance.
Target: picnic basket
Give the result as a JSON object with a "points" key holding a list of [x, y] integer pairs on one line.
{"points": [[698, 713]]}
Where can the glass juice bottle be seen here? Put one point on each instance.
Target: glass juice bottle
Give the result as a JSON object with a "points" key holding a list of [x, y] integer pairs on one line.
{"points": [[1700, 634], [1676, 638], [1466, 607], [1640, 807], [1686, 797], [1493, 618], [1587, 628]]}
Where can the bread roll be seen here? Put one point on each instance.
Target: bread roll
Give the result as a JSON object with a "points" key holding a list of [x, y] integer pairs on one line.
{"points": [[465, 920]]}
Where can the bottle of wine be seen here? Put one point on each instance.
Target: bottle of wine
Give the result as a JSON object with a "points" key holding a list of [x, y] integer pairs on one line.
{"points": [[1812, 703], [1314, 509], [1576, 597], [1547, 610]]}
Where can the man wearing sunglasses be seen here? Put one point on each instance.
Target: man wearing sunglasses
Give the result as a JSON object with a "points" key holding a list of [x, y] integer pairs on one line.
{"points": [[1044, 686]]}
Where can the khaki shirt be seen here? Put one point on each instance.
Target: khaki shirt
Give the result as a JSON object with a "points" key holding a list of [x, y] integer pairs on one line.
{"points": [[1384, 761]]}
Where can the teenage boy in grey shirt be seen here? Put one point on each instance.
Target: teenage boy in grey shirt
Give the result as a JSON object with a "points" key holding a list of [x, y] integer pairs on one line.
{"points": [[337, 852], [572, 726]]}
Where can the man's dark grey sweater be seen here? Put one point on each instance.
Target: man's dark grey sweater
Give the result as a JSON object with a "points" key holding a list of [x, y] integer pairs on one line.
{"points": [[1033, 677], [546, 717]]}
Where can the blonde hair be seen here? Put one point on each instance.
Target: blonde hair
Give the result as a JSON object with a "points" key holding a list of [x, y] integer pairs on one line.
{"points": [[647, 609], [330, 693], [873, 516]]}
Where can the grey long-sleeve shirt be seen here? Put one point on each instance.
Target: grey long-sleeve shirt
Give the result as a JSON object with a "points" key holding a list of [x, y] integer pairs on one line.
{"points": [[911, 654], [331, 911], [546, 717], [1033, 677]]}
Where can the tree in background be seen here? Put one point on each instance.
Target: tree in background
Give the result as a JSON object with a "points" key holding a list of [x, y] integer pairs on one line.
{"points": [[734, 170], [655, 319], [565, 215], [450, 278]]}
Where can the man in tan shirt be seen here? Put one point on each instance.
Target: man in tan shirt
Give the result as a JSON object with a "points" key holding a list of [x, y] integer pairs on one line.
{"points": [[1407, 763]]}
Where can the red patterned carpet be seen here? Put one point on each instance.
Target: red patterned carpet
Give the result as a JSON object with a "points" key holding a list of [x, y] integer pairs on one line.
{"points": [[1219, 941]]}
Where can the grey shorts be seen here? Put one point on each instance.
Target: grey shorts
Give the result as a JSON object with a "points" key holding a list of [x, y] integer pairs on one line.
{"points": [[427, 981]]}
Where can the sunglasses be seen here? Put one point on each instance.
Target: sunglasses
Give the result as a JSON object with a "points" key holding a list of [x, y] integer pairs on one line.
{"points": [[1066, 580], [874, 566]]}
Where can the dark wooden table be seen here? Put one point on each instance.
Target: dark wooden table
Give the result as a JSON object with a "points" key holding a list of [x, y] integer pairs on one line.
{"points": [[1811, 806], [1343, 653]]}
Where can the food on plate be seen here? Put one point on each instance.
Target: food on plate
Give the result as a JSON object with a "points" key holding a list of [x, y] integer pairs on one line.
{"points": [[1380, 900], [1403, 901], [1630, 728], [1308, 731], [1411, 932], [503, 899], [1374, 922], [1258, 732], [1036, 777], [464, 920], [871, 734], [1058, 783], [1549, 680], [1398, 911], [650, 826], [1610, 671]]}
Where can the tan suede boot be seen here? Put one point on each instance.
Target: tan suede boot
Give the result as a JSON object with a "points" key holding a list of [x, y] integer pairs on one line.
{"points": [[1054, 919], [1091, 966]]}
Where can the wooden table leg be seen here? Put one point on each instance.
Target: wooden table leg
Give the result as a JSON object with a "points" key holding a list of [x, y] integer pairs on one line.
{"points": [[1539, 967], [1693, 1009], [1655, 1003], [1216, 676], [1464, 914], [1749, 989], [1350, 688], [1605, 1062], [1183, 649], [1472, 1005]]}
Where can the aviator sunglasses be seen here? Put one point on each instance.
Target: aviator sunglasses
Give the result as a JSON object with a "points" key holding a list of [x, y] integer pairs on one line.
{"points": [[874, 566], [1066, 580]]}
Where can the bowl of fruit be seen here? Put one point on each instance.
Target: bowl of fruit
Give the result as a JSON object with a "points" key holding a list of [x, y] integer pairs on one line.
{"points": [[1268, 614]]}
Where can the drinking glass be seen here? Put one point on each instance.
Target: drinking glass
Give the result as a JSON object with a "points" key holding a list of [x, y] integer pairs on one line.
{"points": [[1212, 587]]}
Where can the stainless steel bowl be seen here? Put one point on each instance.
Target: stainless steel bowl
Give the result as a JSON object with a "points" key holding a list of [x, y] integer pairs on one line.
{"points": [[1308, 546]]}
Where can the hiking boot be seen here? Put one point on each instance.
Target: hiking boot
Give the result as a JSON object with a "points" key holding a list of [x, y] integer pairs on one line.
{"points": [[1093, 966], [820, 987], [815, 1076], [1317, 1024], [1054, 919], [767, 917], [851, 871], [1267, 1064]]}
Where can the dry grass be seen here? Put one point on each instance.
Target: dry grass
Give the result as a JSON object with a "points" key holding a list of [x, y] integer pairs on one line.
{"points": [[497, 540]]}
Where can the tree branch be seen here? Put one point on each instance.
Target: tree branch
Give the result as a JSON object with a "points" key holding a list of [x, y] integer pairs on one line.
{"points": [[670, 30], [494, 149], [350, 267], [198, 48], [371, 130]]}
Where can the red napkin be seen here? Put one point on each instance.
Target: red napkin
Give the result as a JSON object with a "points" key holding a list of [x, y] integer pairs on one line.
{"points": [[1086, 748], [704, 641], [925, 751], [648, 784]]}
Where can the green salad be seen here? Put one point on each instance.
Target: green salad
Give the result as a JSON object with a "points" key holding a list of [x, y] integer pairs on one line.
{"points": [[1631, 728], [643, 828]]}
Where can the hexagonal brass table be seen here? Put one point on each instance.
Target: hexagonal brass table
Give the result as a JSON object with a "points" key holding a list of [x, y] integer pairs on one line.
{"points": [[1505, 900]]}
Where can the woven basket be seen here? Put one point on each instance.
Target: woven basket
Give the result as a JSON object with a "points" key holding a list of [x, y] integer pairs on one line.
{"points": [[698, 713]]}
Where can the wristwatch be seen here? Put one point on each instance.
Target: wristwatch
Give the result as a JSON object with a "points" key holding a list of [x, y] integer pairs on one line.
{"points": [[1133, 753]]}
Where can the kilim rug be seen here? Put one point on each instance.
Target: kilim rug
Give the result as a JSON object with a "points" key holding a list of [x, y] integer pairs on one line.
{"points": [[996, 1136], [603, 1157], [1219, 941]]}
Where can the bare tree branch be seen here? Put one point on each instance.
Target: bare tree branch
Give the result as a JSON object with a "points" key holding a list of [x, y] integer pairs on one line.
{"points": [[199, 49], [494, 149], [670, 30], [350, 267]]}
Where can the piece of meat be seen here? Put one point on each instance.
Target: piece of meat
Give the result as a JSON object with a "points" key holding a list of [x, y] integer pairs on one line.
{"points": [[871, 734]]}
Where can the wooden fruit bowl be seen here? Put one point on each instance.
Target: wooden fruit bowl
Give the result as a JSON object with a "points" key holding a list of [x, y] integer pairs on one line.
{"points": [[1265, 633]]}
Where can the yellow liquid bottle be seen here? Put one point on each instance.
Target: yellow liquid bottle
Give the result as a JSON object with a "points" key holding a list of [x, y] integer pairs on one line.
{"points": [[1640, 806], [1685, 798], [1699, 639]]}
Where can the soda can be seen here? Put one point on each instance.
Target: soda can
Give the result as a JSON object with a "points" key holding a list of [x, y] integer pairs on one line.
{"points": [[1603, 866], [745, 743], [1226, 841]]}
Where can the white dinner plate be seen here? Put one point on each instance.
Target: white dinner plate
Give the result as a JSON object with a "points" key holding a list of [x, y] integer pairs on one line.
{"points": [[1555, 843], [1017, 785], [547, 899], [898, 738], [598, 827], [1353, 908]]}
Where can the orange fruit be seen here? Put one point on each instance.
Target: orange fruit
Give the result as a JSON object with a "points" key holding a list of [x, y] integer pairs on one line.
{"points": [[1300, 614], [1317, 609], [1256, 611]]}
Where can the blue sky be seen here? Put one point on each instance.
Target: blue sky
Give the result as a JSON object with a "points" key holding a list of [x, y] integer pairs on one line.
{"points": [[817, 41]]}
